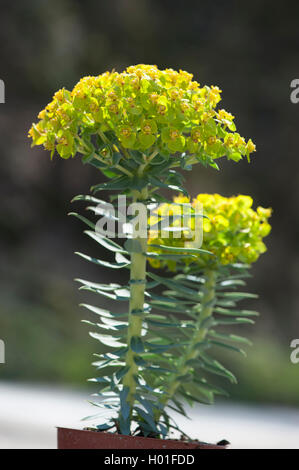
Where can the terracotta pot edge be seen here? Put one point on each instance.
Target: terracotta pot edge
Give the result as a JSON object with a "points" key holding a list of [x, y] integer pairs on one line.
{"points": [[195, 445]]}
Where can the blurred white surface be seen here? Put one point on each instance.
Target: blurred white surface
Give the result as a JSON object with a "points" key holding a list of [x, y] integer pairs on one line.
{"points": [[29, 415]]}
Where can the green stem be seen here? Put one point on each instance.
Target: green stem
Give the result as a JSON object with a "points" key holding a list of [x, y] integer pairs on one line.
{"points": [[192, 352], [124, 170], [135, 321]]}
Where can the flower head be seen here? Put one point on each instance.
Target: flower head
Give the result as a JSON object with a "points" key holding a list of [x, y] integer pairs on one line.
{"points": [[232, 230]]}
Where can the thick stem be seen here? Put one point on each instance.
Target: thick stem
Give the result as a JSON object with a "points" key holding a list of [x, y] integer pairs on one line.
{"points": [[136, 307], [192, 352]]}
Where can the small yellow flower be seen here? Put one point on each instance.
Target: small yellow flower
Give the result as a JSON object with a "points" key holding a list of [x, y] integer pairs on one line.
{"points": [[162, 109], [131, 102], [62, 141], [215, 95], [94, 105], [147, 129], [113, 108], [224, 115], [240, 141], [120, 80], [105, 152], [174, 134], [112, 96], [212, 140], [126, 131], [195, 135], [154, 98], [194, 85], [184, 107], [135, 83], [262, 212], [79, 93], [42, 114], [59, 95], [49, 145], [204, 117], [229, 140], [174, 94]]}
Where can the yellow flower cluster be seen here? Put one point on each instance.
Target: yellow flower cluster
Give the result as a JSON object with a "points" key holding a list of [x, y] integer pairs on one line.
{"points": [[232, 230], [144, 109]]}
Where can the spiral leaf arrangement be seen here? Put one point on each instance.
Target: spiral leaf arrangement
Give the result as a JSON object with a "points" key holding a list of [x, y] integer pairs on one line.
{"points": [[140, 128], [204, 291]]}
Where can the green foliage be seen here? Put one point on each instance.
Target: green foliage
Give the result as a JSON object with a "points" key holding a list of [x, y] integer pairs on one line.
{"points": [[196, 297], [205, 289], [172, 357], [122, 352]]}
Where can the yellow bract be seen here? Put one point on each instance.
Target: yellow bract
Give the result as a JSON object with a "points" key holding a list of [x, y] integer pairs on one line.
{"points": [[233, 231], [145, 109]]}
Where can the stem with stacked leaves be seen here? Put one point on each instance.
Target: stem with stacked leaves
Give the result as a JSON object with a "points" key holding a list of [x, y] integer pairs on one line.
{"points": [[136, 310], [205, 310]]}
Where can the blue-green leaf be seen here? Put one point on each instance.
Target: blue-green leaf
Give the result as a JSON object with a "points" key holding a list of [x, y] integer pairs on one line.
{"points": [[106, 264], [136, 344]]}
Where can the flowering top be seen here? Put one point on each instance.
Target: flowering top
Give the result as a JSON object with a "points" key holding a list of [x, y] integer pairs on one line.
{"points": [[145, 109], [232, 230]]}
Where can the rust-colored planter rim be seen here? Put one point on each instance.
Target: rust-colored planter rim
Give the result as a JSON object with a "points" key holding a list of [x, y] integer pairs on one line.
{"points": [[82, 439]]}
